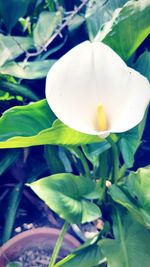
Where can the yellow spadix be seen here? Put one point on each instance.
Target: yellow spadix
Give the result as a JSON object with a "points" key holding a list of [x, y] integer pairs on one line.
{"points": [[101, 118]]}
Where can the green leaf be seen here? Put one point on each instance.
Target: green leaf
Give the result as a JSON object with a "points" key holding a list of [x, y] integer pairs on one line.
{"points": [[89, 254], [67, 195], [14, 199], [143, 64], [131, 244], [18, 89], [46, 25], [99, 12], [57, 135], [7, 158], [76, 22], [92, 151], [51, 5], [129, 142], [12, 46], [127, 29], [29, 70], [134, 195], [12, 10], [30, 125], [26, 120], [66, 157], [54, 163]]}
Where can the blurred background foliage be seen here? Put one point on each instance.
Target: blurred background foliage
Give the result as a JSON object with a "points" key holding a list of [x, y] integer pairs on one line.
{"points": [[33, 35]]}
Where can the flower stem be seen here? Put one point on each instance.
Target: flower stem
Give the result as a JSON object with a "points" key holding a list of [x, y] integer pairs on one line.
{"points": [[58, 244], [83, 160], [122, 172], [115, 159], [103, 167], [103, 176]]}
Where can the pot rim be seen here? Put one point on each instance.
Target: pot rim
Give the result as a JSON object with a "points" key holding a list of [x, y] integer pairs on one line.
{"points": [[39, 232]]}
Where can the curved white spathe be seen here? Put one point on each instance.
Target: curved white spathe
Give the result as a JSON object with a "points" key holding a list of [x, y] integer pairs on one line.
{"points": [[90, 74]]}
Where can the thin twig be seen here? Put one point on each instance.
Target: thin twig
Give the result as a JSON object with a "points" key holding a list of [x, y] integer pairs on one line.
{"points": [[58, 32]]}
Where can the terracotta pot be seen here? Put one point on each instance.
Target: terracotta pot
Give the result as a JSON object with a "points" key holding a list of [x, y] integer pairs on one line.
{"points": [[44, 236]]}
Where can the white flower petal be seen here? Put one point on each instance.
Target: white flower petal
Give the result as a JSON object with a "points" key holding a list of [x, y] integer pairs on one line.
{"points": [[68, 88], [90, 74], [135, 103]]}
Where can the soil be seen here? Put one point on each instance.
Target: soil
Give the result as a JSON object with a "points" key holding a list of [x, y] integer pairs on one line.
{"points": [[38, 257]]}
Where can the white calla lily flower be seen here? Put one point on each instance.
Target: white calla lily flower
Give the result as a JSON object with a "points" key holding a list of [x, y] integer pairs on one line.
{"points": [[93, 91]]}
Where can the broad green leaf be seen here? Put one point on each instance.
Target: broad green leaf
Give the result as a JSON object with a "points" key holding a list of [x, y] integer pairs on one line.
{"points": [[134, 195], [88, 255], [26, 120], [128, 145], [127, 29], [7, 158], [31, 125], [18, 89], [99, 12], [12, 10], [130, 141], [67, 195], [29, 70], [131, 244], [143, 64], [59, 135], [46, 25], [13, 46]]}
